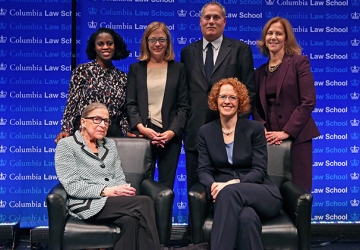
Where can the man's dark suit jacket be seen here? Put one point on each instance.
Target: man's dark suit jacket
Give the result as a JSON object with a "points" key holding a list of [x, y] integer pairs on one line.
{"points": [[295, 98], [234, 60], [249, 155], [175, 103]]}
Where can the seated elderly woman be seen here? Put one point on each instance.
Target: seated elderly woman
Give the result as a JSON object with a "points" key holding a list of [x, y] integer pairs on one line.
{"points": [[233, 167], [89, 168]]}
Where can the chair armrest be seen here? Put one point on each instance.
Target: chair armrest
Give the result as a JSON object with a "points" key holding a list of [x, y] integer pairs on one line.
{"points": [[163, 198], [198, 210], [298, 203], [56, 201]]}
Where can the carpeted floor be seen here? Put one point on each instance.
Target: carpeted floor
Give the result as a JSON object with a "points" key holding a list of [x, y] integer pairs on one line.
{"points": [[320, 242]]}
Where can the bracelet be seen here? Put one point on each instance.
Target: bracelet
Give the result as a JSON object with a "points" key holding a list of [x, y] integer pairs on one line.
{"points": [[102, 194]]}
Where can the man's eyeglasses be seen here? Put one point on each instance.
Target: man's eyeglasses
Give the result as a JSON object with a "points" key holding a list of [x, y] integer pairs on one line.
{"points": [[154, 40], [98, 120], [232, 98]]}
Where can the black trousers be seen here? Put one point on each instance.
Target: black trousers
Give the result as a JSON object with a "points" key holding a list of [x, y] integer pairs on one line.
{"points": [[167, 158], [191, 157], [135, 215], [237, 213]]}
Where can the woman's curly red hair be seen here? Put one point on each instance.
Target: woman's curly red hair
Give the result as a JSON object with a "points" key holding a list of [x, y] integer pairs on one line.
{"points": [[239, 88]]}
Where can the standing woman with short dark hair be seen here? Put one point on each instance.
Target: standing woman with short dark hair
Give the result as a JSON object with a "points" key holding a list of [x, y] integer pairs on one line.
{"points": [[157, 99], [98, 81]]}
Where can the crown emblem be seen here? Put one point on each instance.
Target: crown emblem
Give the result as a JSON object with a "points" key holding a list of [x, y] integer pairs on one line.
{"points": [[355, 82], [3, 66], [181, 219], [354, 109], [354, 136], [3, 39], [2, 176], [3, 25], [2, 217], [355, 15], [92, 24], [269, 2], [354, 149], [181, 13], [3, 94], [3, 108], [3, 149], [354, 176], [3, 12], [354, 189], [182, 40], [182, 1], [92, 11], [2, 204], [269, 14], [354, 96], [3, 53], [181, 205], [2, 163], [354, 203], [181, 177], [355, 69], [355, 29], [3, 80], [354, 122], [182, 164], [3, 135], [354, 216], [355, 2], [355, 55], [2, 190], [3, 121], [354, 42], [181, 191], [182, 26]]}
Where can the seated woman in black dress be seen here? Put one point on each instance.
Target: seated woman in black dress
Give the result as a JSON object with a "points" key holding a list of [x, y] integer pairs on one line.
{"points": [[233, 167]]}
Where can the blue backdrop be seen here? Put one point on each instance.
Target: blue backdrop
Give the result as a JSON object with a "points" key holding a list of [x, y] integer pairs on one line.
{"points": [[35, 68]]}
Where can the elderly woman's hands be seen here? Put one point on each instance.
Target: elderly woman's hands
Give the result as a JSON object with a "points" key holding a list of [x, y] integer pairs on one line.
{"points": [[120, 190]]}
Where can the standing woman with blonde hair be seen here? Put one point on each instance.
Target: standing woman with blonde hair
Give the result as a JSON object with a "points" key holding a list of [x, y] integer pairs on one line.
{"points": [[286, 96], [157, 99]]}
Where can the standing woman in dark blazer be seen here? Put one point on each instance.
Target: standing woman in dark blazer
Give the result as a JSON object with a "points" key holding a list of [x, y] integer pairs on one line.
{"points": [[233, 168], [286, 96], [156, 99]]}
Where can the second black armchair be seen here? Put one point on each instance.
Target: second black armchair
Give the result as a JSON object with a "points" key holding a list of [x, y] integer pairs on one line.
{"points": [[289, 230]]}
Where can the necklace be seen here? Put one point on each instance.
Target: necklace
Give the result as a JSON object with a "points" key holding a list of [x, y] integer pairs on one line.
{"points": [[228, 133], [273, 68]]}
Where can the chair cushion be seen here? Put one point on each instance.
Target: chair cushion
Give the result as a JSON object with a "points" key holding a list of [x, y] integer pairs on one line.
{"points": [[97, 235], [277, 233]]}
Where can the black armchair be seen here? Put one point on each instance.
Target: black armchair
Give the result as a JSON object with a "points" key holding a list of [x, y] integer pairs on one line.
{"points": [[68, 232], [289, 230]]}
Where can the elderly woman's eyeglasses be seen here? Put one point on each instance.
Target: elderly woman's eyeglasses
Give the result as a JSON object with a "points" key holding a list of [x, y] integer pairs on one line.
{"points": [[98, 120], [232, 98], [154, 40]]}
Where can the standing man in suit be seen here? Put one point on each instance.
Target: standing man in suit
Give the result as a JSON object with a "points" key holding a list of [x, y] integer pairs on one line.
{"points": [[230, 58]]}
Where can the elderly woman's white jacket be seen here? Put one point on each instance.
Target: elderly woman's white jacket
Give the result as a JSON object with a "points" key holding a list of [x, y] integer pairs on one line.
{"points": [[84, 174]]}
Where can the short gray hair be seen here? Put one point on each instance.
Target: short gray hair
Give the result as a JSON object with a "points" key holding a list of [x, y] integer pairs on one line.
{"points": [[214, 3]]}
